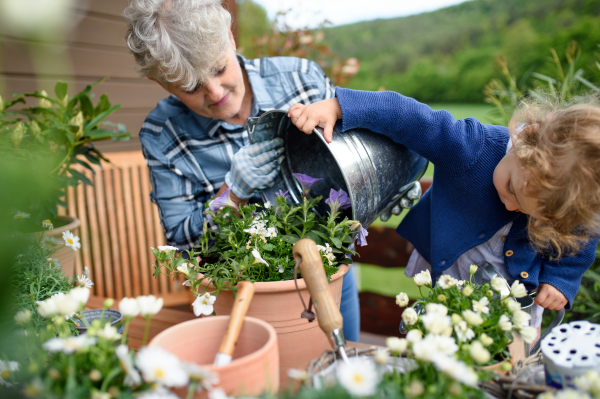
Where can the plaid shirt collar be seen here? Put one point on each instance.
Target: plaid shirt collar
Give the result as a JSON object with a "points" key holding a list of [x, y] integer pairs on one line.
{"points": [[261, 100]]}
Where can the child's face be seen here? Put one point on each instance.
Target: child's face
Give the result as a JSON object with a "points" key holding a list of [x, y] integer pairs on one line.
{"points": [[510, 179]]}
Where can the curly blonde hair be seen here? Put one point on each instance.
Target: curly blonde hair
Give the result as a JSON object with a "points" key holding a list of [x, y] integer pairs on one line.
{"points": [[560, 148]]}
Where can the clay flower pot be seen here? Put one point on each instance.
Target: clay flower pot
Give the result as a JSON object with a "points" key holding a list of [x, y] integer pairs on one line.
{"points": [[277, 303], [65, 255], [255, 365]]}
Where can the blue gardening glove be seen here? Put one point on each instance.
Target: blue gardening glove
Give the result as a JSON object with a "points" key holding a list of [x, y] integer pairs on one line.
{"points": [[254, 167]]}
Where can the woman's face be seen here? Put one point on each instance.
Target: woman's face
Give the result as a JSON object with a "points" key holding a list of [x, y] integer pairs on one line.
{"points": [[222, 94], [510, 180]]}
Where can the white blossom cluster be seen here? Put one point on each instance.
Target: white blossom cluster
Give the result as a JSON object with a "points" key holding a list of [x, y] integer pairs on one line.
{"points": [[327, 252], [259, 230], [588, 387]]}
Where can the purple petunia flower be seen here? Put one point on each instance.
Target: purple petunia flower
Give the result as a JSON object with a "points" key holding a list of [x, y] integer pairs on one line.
{"points": [[306, 181], [283, 194], [223, 200], [362, 241], [338, 200]]}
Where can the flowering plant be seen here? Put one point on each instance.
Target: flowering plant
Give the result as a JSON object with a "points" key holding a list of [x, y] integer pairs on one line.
{"points": [[255, 242], [479, 317], [53, 136]]}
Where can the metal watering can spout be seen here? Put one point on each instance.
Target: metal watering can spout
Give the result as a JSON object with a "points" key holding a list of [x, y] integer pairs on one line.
{"points": [[379, 175]]}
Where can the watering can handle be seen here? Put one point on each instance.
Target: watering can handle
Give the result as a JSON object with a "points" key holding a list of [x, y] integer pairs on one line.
{"points": [[311, 266]]}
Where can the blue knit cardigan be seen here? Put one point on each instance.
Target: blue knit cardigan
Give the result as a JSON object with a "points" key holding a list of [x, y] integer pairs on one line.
{"points": [[462, 208]]}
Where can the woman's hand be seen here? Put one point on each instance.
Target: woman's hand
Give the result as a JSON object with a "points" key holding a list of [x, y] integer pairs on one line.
{"points": [[322, 113], [550, 297]]}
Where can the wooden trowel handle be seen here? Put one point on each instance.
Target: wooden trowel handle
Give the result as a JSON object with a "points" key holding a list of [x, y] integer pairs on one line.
{"points": [[313, 273], [242, 301]]}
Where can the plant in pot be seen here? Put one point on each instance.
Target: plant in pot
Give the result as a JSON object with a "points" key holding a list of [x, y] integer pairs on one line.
{"points": [[254, 243], [54, 137]]}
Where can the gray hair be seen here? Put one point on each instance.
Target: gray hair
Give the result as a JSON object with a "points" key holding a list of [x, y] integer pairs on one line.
{"points": [[177, 40]]}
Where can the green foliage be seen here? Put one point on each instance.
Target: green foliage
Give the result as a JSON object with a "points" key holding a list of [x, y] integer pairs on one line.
{"points": [[54, 136]]}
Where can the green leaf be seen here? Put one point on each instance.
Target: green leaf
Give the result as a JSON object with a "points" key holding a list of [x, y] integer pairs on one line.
{"points": [[314, 237], [346, 261], [290, 239], [92, 159], [85, 165], [61, 89], [308, 225], [86, 106], [103, 104], [336, 242], [100, 134], [268, 247], [91, 124], [80, 176]]}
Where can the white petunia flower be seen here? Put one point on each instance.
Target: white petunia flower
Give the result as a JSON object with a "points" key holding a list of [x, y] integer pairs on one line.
{"points": [[206, 379], [21, 215], [271, 232], [84, 281], [109, 332], [423, 278], [71, 240], [187, 283], [280, 269], [167, 248], [528, 334], [409, 316], [129, 307], [22, 317], [504, 323], [359, 377], [69, 345], [161, 367], [478, 353], [397, 345], [436, 323], [520, 319], [513, 305], [132, 377], [6, 370], [447, 281], [436, 308], [267, 205], [258, 258], [457, 370], [183, 268], [203, 305], [518, 290], [481, 305], [472, 318], [414, 336], [402, 299], [463, 332], [149, 305]]}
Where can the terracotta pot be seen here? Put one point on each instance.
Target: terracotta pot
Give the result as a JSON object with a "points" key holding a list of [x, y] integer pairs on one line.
{"points": [[65, 255], [255, 365], [277, 303]]}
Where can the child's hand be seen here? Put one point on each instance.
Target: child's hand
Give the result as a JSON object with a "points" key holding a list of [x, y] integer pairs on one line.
{"points": [[550, 297], [322, 113]]}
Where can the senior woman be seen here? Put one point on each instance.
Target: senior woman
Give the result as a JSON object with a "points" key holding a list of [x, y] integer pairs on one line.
{"points": [[194, 140]]}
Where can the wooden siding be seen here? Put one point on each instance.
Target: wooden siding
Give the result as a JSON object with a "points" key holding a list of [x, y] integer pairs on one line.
{"points": [[94, 49]]}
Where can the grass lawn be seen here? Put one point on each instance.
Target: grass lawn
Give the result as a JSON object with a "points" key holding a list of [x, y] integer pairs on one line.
{"points": [[390, 282]]}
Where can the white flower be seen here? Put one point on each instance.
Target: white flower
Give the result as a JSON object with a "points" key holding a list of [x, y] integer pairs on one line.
{"points": [[47, 224], [167, 248], [457, 370], [132, 377], [397, 345], [258, 258], [382, 356], [528, 334], [423, 278], [359, 377], [280, 269], [499, 284], [463, 332], [570, 394], [21, 215], [6, 370], [520, 319], [402, 299], [159, 366], [479, 353], [71, 240], [434, 345], [69, 345], [80, 296], [486, 340], [158, 394], [100, 395], [518, 290], [424, 351], [436, 308], [447, 281], [203, 305], [129, 307], [271, 232], [415, 389], [267, 205], [298, 374], [149, 305], [473, 269], [218, 393], [187, 283], [504, 323], [456, 318], [481, 305], [109, 332], [589, 382], [414, 336], [474, 319], [468, 290], [47, 308], [183, 268], [436, 323], [84, 281], [513, 305], [409, 316], [325, 249], [206, 379], [22, 317]]}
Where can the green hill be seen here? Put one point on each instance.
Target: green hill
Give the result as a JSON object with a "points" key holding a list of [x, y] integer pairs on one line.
{"points": [[449, 55]]}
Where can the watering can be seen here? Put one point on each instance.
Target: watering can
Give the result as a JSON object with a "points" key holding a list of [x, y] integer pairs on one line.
{"points": [[379, 175]]}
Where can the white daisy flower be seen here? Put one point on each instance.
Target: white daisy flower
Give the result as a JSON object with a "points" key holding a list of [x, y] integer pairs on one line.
{"points": [[129, 307], [436, 323], [463, 332], [22, 317], [359, 377], [402, 300], [409, 316], [518, 290], [206, 379], [504, 323], [271, 232], [414, 336], [132, 377], [397, 345], [109, 332], [520, 319], [457, 370], [436, 308], [423, 278], [203, 305], [481, 305], [447, 281], [161, 367], [71, 240], [513, 305], [69, 345], [472, 318], [6, 370], [21, 215], [84, 281], [149, 305]]}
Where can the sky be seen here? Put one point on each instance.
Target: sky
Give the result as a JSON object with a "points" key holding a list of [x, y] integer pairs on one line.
{"points": [[309, 13]]}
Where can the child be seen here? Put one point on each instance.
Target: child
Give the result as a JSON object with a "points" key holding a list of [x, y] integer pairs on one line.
{"points": [[524, 198]]}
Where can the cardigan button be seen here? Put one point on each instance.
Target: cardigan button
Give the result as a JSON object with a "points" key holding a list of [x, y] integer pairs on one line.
{"points": [[509, 253], [503, 238], [481, 235], [442, 263], [524, 274]]}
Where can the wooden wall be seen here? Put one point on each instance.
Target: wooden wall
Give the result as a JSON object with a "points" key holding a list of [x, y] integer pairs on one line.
{"points": [[95, 48]]}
